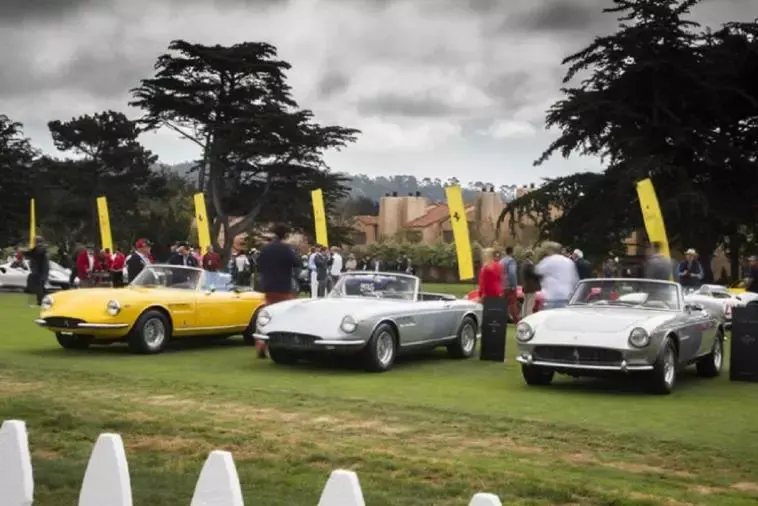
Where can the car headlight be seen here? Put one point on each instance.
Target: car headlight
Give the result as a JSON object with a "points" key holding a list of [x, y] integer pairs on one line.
{"points": [[113, 307], [264, 318], [348, 325], [47, 302], [639, 338], [524, 332]]}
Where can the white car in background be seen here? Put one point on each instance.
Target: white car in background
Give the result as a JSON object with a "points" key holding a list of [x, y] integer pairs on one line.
{"points": [[14, 277], [715, 299]]}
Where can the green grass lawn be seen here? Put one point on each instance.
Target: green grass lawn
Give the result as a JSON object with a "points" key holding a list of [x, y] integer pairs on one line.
{"points": [[433, 431]]}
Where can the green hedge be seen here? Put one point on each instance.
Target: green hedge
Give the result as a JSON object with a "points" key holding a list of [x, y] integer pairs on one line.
{"points": [[440, 254]]}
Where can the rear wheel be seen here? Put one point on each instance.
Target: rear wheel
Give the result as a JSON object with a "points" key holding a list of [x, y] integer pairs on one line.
{"points": [[465, 342], [379, 353], [247, 335], [710, 365], [663, 376], [73, 341], [151, 333], [537, 376]]}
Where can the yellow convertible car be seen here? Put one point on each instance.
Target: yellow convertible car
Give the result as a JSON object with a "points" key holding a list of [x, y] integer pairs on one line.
{"points": [[161, 303]]}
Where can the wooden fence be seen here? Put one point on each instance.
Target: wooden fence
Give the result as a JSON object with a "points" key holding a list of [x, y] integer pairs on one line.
{"points": [[106, 479]]}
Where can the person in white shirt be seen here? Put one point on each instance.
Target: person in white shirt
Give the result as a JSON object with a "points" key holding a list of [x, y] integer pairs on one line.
{"points": [[558, 276], [351, 263], [336, 268], [312, 274]]}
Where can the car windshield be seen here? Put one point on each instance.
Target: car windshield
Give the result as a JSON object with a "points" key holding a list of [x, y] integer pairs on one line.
{"points": [[217, 282], [168, 276], [376, 285], [627, 292]]}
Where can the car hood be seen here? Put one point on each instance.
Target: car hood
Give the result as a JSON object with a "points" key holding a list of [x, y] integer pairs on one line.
{"points": [[325, 314], [80, 300], [585, 326]]}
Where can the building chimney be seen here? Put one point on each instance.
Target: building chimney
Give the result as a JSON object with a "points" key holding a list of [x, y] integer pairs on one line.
{"points": [[418, 194], [410, 194], [532, 186], [394, 194], [387, 194]]}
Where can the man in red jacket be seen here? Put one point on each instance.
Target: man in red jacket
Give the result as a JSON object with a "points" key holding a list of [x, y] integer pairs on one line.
{"points": [[211, 260], [85, 265], [117, 268]]}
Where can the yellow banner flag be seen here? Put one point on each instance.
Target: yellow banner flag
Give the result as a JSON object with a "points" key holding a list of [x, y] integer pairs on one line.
{"points": [[32, 222], [319, 217], [459, 224], [651, 214], [201, 222], [106, 240]]}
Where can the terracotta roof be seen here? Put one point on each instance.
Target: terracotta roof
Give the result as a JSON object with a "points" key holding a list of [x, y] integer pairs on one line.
{"points": [[435, 214], [367, 219]]}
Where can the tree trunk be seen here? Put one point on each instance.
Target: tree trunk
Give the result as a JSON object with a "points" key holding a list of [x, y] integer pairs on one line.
{"points": [[735, 265]]}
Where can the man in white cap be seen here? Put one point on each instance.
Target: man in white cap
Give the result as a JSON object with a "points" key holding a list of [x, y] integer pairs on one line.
{"points": [[583, 267], [690, 271]]}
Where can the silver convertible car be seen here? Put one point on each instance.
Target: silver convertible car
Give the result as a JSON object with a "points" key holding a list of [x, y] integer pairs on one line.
{"points": [[621, 326], [372, 315]]}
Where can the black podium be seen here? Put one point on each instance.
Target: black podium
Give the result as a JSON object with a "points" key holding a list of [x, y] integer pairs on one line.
{"points": [[743, 363], [494, 327]]}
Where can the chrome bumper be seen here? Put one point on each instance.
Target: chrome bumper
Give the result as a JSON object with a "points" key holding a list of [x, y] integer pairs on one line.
{"points": [[93, 326], [322, 342], [623, 367]]}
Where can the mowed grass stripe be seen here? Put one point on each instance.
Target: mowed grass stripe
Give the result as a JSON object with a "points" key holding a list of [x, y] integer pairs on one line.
{"points": [[433, 431]]}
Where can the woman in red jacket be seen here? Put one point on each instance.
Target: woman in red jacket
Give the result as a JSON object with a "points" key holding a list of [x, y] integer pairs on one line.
{"points": [[490, 276]]}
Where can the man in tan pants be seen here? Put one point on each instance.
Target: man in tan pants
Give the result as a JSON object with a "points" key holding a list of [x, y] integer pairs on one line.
{"points": [[530, 283]]}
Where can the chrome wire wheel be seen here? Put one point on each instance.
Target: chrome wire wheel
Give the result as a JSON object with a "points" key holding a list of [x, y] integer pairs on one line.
{"points": [[718, 354], [154, 333], [468, 337], [669, 367], [385, 348]]}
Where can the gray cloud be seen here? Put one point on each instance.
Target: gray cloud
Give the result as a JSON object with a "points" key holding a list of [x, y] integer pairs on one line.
{"points": [[12, 11], [413, 107], [332, 83], [563, 15]]}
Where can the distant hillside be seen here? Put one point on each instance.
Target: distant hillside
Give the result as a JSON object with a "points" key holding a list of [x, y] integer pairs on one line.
{"points": [[375, 188]]}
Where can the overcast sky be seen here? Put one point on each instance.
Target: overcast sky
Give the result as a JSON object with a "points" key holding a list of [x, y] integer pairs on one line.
{"points": [[439, 88]]}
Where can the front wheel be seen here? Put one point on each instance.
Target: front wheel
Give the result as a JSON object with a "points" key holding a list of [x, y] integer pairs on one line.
{"points": [[247, 335], [379, 353], [663, 376], [73, 341], [151, 333], [465, 341], [537, 376], [710, 365]]}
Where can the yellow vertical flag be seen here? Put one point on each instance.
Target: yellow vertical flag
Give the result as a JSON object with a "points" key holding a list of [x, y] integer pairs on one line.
{"points": [[319, 217], [201, 222], [459, 225], [651, 214], [32, 222], [106, 239]]}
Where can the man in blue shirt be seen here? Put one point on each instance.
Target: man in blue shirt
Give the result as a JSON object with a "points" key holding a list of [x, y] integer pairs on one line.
{"points": [[690, 271], [510, 284]]}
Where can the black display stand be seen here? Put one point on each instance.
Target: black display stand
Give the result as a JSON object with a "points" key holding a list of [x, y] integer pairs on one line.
{"points": [[494, 327], [743, 364]]}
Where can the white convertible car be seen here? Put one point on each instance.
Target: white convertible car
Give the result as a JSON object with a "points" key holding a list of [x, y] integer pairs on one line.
{"points": [[14, 277]]}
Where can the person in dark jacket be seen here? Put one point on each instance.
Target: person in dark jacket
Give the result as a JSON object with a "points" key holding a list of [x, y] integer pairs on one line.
{"points": [[530, 284], [322, 270], [181, 256], [583, 267], [690, 270], [658, 266], [278, 266], [139, 259], [39, 267]]}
